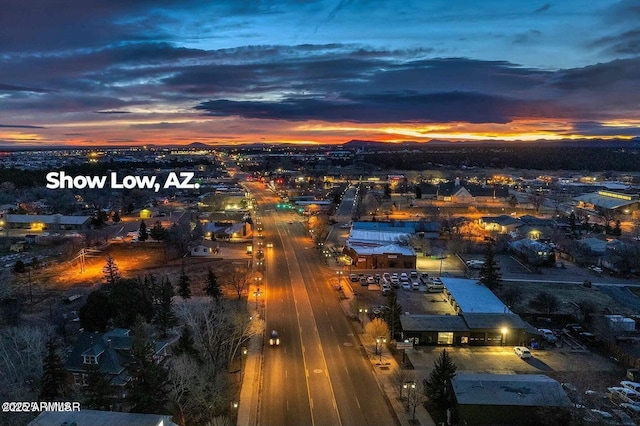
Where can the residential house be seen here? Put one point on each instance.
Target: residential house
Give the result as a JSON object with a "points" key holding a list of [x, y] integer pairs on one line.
{"points": [[205, 249], [110, 352], [532, 251]]}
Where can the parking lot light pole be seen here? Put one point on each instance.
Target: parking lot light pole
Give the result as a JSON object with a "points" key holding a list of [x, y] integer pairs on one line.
{"points": [[339, 273], [504, 336]]}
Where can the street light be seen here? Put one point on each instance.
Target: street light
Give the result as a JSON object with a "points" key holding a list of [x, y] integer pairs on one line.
{"points": [[409, 386], [244, 354], [504, 335], [380, 340], [362, 311], [257, 294], [339, 279]]}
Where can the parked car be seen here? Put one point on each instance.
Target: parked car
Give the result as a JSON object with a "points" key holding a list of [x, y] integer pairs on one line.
{"points": [[274, 339], [548, 335], [589, 339], [371, 280], [625, 394], [363, 281], [415, 285], [634, 408], [353, 278], [574, 329], [406, 285], [522, 352], [595, 269], [474, 264], [631, 385], [413, 275]]}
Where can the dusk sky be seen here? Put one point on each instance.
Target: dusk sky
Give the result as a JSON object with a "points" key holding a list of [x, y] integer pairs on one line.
{"points": [[118, 72]]}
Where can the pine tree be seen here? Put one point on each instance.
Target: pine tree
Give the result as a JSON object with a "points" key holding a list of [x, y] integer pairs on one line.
{"points": [[184, 285], [186, 344], [97, 394], [143, 234], [443, 370], [110, 271], [149, 379], [53, 384], [490, 271], [157, 232], [212, 289], [164, 316], [392, 315]]}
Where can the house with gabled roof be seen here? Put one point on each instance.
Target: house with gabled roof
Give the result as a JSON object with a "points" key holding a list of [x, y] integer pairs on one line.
{"points": [[110, 352]]}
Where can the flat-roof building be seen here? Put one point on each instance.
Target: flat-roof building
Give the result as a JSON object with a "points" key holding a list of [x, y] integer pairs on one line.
{"points": [[507, 399], [482, 319]]}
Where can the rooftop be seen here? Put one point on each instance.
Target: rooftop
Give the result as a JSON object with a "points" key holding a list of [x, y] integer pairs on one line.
{"points": [[100, 418], [508, 389], [473, 297]]}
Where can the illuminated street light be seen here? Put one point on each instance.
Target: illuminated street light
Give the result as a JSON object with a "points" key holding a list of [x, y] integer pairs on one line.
{"points": [[379, 341], [362, 311], [409, 386], [257, 294], [244, 354], [339, 279], [504, 335]]}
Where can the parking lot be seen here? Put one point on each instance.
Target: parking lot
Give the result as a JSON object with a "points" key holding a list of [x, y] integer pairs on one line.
{"points": [[585, 369]]}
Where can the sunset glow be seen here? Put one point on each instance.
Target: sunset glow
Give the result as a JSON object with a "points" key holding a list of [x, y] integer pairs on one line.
{"points": [[317, 72]]}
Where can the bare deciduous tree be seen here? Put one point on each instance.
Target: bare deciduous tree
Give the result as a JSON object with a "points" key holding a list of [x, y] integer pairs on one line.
{"points": [[238, 278]]}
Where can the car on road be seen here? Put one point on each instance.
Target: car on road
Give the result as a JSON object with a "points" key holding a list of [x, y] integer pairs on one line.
{"points": [[522, 352], [290, 222], [474, 264], [269, 245], [274, 338], [548, 335]]}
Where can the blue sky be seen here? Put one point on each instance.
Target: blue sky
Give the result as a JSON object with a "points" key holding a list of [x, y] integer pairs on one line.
{"points": [[121, 72]]}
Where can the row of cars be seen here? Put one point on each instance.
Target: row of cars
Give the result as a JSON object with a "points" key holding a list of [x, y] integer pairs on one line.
{"points": [[584, 336], [627, 395], [407, 281]]}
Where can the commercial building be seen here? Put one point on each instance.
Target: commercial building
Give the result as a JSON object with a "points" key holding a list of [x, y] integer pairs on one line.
{"points": [[39, 222], [507, 399], [481, 319]]}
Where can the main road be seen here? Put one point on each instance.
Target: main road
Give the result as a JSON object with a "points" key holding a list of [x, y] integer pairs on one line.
{"points": [[319, 374]]}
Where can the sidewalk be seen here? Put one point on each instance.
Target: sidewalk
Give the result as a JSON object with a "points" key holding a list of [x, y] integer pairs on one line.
{"points": [[384, 371], [252, 378]]}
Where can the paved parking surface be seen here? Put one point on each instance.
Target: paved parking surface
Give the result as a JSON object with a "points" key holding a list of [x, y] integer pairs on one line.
{"points": [[501, 359]]}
